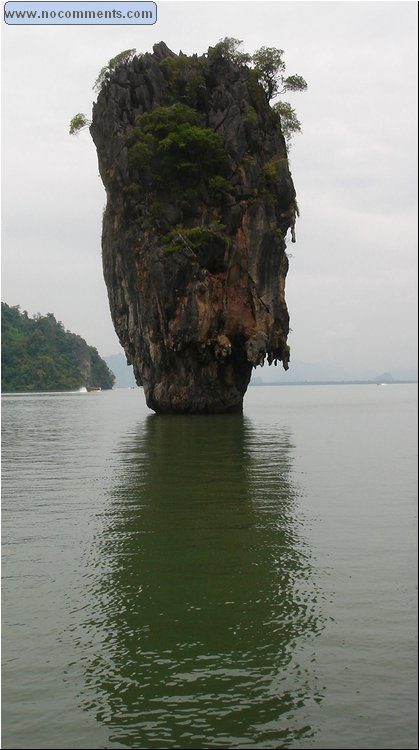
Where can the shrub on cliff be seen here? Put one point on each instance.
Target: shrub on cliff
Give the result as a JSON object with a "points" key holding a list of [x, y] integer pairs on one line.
{"points": [[208, 244], [170, 149], [79, 122], [187, 79], [105, 73], [229, 49], [268, 70]]}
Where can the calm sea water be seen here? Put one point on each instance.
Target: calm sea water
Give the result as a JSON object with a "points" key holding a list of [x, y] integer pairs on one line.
{"points": [[211, 582]]}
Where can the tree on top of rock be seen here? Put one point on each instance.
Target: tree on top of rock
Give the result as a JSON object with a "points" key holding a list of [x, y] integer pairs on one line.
{"points": [[269, 67]]}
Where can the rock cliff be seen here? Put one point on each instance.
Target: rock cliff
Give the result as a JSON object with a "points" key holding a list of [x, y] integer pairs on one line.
{"points": [[199, 201]]}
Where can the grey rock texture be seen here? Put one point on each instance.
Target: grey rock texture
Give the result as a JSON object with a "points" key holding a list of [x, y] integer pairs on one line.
{"points": [[195, 319]]}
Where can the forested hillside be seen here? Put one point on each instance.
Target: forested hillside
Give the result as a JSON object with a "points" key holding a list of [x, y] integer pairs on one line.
{"points": [[38, 354]]}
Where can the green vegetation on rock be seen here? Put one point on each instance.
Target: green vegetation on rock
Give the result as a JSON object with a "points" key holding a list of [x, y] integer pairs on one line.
{"points": [[105, 73], [187, 81], [170, 149], [38, 354], [178, 167], [229, 49], [267, 70], [186, 78], [208, 244], [290, 123], [79, 122]]}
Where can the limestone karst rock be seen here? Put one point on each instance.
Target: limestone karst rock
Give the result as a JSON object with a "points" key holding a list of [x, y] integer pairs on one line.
{"points": [[199, 201]]}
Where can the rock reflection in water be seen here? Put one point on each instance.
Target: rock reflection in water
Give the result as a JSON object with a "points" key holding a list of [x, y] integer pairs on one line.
{"points": [[202, 609]]}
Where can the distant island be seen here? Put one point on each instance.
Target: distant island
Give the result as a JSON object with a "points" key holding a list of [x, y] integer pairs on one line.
{"points": [[38, 354]]}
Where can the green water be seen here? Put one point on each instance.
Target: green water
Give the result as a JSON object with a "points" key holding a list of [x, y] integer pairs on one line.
{"points": [[210, 582]]}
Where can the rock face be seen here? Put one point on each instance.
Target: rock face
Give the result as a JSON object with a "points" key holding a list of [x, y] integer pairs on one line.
{"points": [[199, 200]]}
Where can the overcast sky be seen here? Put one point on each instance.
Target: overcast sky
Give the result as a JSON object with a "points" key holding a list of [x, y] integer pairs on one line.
{"points": [[352, 283]]}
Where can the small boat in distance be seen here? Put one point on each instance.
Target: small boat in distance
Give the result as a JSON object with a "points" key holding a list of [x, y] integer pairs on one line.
{"points": [[93, 389]]}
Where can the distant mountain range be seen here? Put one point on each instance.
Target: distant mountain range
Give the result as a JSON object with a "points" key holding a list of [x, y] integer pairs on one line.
{"points": [[124, 376], [299, 372]]}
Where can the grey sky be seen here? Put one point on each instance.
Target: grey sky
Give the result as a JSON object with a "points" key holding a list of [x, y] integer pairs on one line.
{"points": [[351, 288]]}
